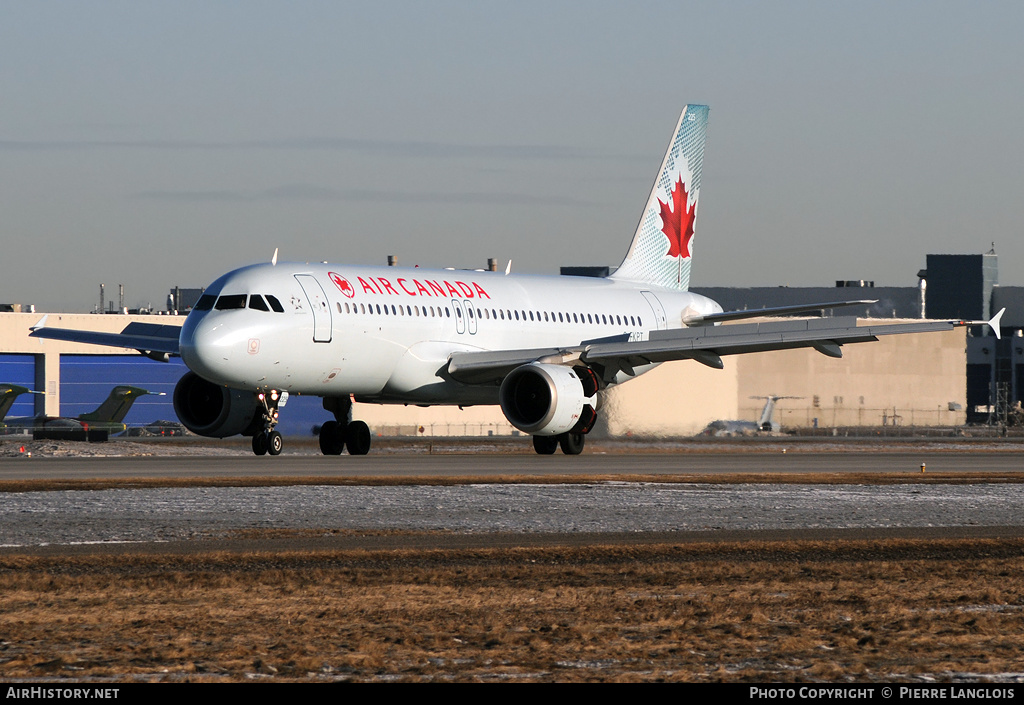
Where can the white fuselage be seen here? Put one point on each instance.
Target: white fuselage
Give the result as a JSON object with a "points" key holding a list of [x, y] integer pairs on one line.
{"points": [[385, 333]]}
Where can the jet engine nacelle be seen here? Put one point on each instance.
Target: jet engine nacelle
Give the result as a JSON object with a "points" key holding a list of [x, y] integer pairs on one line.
{"points": [[548, 400], [215, 411]]}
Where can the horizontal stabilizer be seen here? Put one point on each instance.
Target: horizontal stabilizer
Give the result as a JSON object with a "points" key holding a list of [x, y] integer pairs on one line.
{"points": [[775, 311]]}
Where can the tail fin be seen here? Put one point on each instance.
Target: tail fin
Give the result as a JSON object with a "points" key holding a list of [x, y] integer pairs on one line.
{"points": [[8, 393], [116, 406], [662, 246]]}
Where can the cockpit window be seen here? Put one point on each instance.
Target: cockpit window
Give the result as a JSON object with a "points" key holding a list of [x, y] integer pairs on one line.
{"points": [[205, 302], [231, 301], [274, 303], [256, 302]]}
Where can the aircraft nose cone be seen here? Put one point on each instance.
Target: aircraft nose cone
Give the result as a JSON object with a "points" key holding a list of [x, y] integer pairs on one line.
{"points": [[205, 348]]}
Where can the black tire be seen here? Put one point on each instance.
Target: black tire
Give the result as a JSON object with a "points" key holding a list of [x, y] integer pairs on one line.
{"points": [[358, 438], [572, 443], [545, 445], [332, 438], [260, 445], [275, 443]]}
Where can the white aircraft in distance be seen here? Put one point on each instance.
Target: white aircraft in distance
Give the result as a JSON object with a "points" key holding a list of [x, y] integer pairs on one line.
{"points": [[764, 424], [543, 347]]}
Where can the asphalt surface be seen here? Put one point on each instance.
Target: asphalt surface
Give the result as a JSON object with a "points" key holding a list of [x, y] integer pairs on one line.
{"points": [[484, 463], [598, 503]]}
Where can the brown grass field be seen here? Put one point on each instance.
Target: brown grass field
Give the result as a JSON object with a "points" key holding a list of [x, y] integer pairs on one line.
{"points": [[833, 611]]}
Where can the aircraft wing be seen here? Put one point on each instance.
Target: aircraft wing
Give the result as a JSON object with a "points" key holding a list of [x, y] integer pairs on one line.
{"points": [[705, 344], [144, 337], [492, 366]]}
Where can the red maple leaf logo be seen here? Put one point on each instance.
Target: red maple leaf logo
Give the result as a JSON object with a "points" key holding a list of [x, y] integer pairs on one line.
{"points": [[678, 221], [342, 284]]}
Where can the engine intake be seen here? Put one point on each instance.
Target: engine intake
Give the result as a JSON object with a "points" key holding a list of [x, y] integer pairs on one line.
{"points": [[548, 400], [214, 411]]}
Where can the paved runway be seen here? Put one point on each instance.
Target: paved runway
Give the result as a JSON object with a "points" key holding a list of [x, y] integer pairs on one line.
{"points": [[482, 465], [318, 513]]}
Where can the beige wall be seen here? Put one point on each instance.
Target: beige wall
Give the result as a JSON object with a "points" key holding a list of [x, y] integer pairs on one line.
{"points": [[391, 420], [914, 376], [673, 399]]}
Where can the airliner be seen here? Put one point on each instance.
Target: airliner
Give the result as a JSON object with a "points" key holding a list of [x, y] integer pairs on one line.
{"points": [[544, 348]]}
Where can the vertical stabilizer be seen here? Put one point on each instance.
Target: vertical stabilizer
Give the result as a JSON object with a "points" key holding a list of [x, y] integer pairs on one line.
{"points": [[116, 405], [662, 246], [8, 393]]}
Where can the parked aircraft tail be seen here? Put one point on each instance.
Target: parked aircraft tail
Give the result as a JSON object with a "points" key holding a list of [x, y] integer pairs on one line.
{"points": [[116, 406], [662, 246], [8, 393]]}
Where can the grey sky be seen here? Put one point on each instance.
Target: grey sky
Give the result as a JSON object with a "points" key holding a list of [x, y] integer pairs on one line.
{"points": [[155, 144]]}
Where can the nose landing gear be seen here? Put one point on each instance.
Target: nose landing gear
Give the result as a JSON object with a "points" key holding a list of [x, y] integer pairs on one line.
{"points": [[268, 440]]}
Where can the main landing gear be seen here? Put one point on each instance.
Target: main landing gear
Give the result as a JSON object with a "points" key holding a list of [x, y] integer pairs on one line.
{"points": [[571, 443], [342, 433], [336, 437], [268, 440]]}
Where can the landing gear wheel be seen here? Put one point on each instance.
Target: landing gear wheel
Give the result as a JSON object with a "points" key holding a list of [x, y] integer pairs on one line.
{"points": [[545, 445], [358, 438], [332, 438], [260, 444], [275, 443], [572, 443]]}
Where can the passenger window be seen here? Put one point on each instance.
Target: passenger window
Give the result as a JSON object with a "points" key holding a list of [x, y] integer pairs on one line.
{"points": [[233, 301], [274, 303], [256, 302]]}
